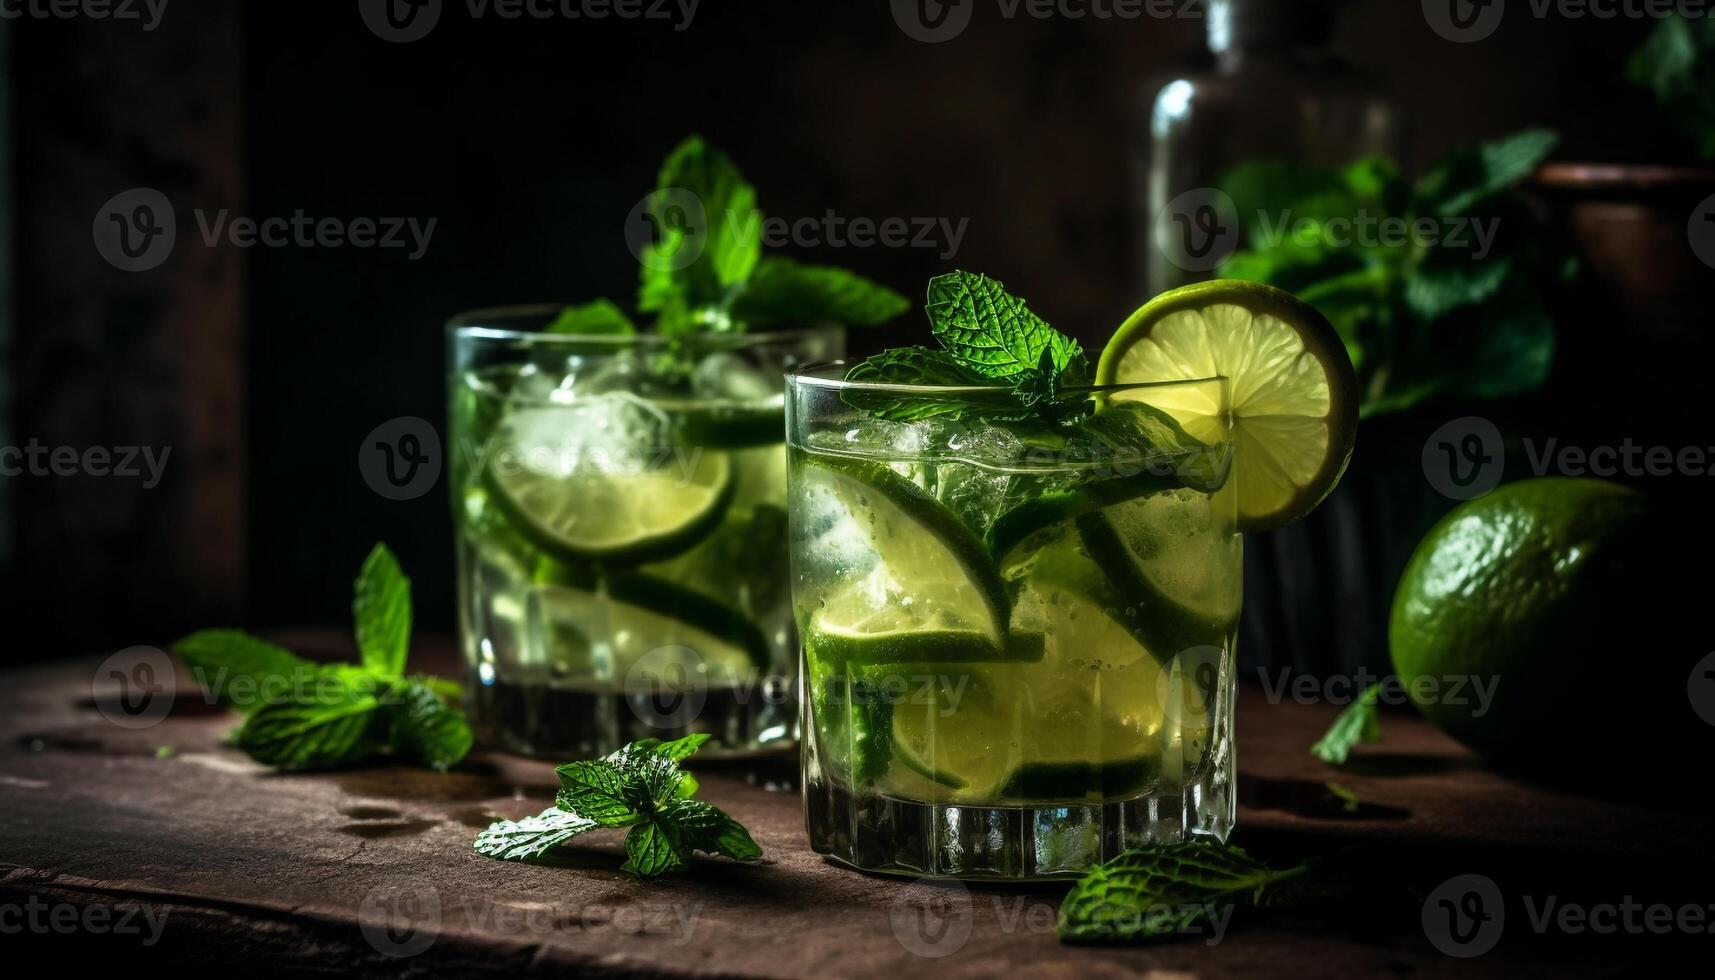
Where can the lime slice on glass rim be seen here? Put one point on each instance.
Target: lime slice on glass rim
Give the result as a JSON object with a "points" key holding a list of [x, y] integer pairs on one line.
{"points": [[1292, 393], [627, 515]]}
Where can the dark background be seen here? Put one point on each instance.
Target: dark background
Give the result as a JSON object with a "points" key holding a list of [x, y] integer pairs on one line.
{"points": [[529, 141]]}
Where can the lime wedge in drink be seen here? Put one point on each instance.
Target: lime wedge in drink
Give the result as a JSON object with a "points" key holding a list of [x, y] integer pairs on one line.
{"points": [[928, 590], [1173, 568], [642, 614], [1127, 450], [1292, 393], [621, 504], [725, 426]]}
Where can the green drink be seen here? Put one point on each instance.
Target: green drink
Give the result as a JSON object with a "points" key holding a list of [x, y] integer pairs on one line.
{"points": [[1017, 644], [619, 504], [1018, 578]]}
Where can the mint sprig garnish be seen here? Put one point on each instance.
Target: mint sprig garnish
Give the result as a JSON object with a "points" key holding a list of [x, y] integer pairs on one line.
{"points": [[1165, 891], [303, 715], [598, 318], [1358, 723], [995, 334], [988, 337], [641, 789], [702, 202], [730, 233], [783, 291]]}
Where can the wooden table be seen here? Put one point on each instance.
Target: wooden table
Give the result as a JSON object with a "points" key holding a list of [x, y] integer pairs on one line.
{"points": [[157, 845]]}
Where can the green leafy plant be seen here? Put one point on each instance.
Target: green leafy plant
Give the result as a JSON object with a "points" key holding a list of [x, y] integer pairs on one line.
{"points": [[724, 284], [1676, 64], [1357, 724], [989, 338], [1437, 287], [640, 789], [1163, 891], [299, 714]]}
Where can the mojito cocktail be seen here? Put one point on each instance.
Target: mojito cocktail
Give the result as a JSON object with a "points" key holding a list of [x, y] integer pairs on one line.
{"points": [[620, 508], [1017, 575], [1017, 643]]}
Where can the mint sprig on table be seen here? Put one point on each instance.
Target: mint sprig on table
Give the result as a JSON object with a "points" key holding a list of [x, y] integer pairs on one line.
{"points": [[730, 286], [299, 714], [1164, 891], [988, 338], [640, 789], [1358, 723]]}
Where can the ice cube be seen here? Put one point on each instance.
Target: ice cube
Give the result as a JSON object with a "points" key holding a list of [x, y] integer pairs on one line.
{"points": [[536, 385], [725, 376], [621, 371], [617, 433]]}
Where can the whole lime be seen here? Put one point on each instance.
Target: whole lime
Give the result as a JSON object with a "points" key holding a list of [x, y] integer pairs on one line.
{"points": [[1529, 623]]}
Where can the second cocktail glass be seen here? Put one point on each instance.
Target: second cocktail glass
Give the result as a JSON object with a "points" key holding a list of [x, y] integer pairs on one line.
{"points": [[618, 504]]}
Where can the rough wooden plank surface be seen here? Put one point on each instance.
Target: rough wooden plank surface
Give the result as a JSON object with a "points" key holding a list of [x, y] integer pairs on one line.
{"points": [[219, 861]]}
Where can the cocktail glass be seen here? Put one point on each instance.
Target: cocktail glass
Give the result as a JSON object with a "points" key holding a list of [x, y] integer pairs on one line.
{"points": [[1017, 636], [619, 509]]}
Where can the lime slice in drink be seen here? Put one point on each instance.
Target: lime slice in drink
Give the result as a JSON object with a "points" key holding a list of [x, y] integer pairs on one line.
{"points": [[918, 585], [619, 503], [1292, 393], [1127, 450], [726, 426], [640, 615], [1083, 722], [1173, 566]]}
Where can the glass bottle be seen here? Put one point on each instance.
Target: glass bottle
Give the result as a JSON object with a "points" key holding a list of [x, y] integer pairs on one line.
{"points": [[1269, 88]]}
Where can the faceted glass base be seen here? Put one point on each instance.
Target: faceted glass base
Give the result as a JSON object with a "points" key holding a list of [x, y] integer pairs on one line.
{"points": [[873, 832]]}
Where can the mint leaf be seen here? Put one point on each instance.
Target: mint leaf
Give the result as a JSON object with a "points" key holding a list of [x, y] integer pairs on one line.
{"points": [[1467, 177], [1676, 63], [996, 335], [704, 827], [1436, 289], [234, 666], [1162, 891], [783, 291], [601, 792], [531, 837], [328, 729], [640, 787], [425, 728], [729, 233], [598, 318], [678, 749], [1358, 723], [934, 368], [653, 848], [381, 608]]}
